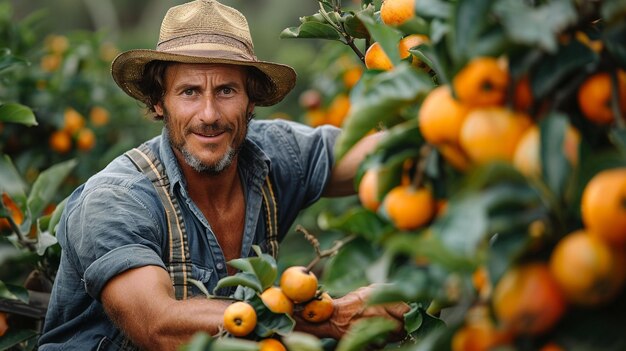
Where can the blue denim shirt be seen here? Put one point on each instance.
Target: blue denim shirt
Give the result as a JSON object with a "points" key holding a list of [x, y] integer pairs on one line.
{"points": [[115, 222]]}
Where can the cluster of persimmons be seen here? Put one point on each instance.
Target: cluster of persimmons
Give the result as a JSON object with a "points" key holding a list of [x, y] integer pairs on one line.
{"points": [[297, 294]]}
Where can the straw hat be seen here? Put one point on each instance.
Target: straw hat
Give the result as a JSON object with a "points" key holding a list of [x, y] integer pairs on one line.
{"points": [[201, 31]]}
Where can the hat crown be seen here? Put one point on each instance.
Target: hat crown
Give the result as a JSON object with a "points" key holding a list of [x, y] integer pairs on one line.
{"points": [[207, 18]]}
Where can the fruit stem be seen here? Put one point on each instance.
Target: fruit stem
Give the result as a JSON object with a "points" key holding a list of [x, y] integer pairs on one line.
{"points": [[425, 151]]}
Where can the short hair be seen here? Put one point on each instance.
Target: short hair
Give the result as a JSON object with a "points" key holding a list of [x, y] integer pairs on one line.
{"points": [[259, 86]]}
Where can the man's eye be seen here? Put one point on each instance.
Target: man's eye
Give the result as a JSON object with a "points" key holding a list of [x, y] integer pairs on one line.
{"points": [[188, 92], [227, 91]]}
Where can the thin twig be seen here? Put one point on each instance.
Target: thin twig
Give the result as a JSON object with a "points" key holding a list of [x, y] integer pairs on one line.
{"points": [[319, 253], [425, 151]]}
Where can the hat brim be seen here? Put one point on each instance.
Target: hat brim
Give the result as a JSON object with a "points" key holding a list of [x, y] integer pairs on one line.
{"points": [[128, 67]]}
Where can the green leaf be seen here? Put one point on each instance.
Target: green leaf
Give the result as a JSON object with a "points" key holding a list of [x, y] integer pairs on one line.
{"points": [[263, 267], [311, 30], [13, 292], [10, 180], [17, 113], [536, 26], [366, 332], [354, 26], [339, 275], [200, 341], [46, 186], [552, 70], [15, 336], [198, 284], [421, 324], [430, 247], [302, 342], [55, 218], [8, 60], [268, 322], [429, 54], [234, 344], [245, 279], [470, 20], [380, 97], [44, 241], [356, 220], [408, 284], [387, 36]]}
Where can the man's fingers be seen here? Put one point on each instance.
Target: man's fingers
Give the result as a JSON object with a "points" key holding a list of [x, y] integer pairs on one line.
{"points": [[397, 310]]}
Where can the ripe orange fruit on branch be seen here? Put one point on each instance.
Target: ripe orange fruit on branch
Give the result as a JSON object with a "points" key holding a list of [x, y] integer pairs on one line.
{"points": [[481, 83], [4, 324], [271, 345], [376, 58], [240, 318], [441, 116], [396, 12], [588, 270], [595, 94], [60, 141], [276, 300], [491, 134], [73, 121], [319, 309], [298, 284], [368, 190], [603, 205], [528, 300], [409, 208], [86, 139]]}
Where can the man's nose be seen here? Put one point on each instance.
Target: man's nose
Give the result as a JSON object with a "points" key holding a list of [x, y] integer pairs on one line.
{"points": [[208, 112]]}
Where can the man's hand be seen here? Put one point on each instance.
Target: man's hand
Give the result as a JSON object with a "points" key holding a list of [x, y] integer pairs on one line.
{"points": [[351, 308]]}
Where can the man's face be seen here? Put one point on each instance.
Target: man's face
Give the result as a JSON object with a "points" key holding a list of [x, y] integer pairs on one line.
{"points": [[205, 109]]}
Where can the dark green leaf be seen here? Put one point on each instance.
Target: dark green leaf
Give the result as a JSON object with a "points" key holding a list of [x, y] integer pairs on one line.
{"points": [[428, 325], [311, 30], [380, 97], [10, 180], [13, 292], [504, 251], [263, 267], [552, 70], [434, 59], [246, 279], [353, 25], [16, 336], [17, 113], [365, 332], [556, 169], [470, 19], [7, 60], [536, 26], [46, 186], [615, 41]]}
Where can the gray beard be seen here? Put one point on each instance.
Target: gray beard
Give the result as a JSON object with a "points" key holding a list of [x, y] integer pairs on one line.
{"points": [[213, 169]]}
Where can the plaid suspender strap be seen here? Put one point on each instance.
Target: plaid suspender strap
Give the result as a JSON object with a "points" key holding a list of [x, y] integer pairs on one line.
{"points": [[179, 265], [271, 216]]}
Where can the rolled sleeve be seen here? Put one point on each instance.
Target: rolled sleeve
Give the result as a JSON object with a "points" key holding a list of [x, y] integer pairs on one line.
{"points": [[115, 262]]}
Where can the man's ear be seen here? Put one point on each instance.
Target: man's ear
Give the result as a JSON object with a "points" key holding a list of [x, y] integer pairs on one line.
{"points": [[158, 108]]}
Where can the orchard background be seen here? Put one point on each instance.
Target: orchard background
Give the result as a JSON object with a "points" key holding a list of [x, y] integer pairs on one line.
{"points": [[494, 205]]}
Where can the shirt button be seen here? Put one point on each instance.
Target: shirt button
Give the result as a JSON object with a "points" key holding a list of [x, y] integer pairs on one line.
{"points": [[219, 266]]}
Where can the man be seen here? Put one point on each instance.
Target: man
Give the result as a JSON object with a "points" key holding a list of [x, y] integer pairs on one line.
{"points": [[212, 185]]}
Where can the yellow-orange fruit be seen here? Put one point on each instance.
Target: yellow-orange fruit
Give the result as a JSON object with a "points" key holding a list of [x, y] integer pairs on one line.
{"points": [[298, 284], [396, 12], [603, 205], [319, 309], [240, 318], [409, 208], [492, 134], [276, 300], [481, 83], [441, 116]]}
